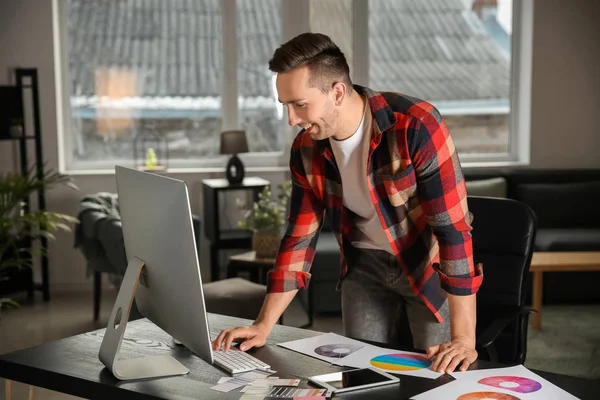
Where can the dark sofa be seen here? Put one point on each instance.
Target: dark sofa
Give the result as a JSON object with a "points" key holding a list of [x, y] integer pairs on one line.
{"points": [[567, 207]]}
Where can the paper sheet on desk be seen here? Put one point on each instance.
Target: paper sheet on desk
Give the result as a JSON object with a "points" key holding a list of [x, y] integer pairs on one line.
{"points": [[343, 351], [328, 347], [471, 390], [515, 382]]}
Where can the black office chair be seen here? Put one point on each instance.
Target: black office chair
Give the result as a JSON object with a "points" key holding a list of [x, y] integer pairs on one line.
{"points": [[503, 238], [503, 241]]}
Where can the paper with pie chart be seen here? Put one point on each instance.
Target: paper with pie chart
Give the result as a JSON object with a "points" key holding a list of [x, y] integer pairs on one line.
{"points": [[466, 390], [518, 381], [343, 351], [327, 347], [511, 383]]}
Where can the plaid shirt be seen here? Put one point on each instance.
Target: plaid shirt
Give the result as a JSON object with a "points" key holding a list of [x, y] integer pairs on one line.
{"points": [[418, 190]]}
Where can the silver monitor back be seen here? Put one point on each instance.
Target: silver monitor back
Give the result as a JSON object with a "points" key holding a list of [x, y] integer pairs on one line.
{"points": [[158, 230]]}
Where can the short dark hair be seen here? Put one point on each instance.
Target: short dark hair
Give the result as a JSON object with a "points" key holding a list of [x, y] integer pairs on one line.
{"points": [[324, 59]]}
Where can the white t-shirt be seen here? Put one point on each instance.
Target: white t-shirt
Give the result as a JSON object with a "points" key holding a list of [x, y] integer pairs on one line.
{"points": [[351, 157]]}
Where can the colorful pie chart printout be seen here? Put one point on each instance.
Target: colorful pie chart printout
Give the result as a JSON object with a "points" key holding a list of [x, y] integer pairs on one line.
{"points": [[517, 381], [487, 395], [513, 383], [400, 362]]}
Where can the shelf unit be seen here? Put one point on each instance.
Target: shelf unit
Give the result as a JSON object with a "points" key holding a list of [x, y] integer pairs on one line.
{"points": [[26, 79]]}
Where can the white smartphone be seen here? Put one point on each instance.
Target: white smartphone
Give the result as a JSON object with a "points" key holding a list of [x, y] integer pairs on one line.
{"points": [[354, 379]]}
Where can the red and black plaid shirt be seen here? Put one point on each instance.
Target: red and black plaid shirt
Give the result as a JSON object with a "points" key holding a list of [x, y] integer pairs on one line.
{"points": [[418, 190]]}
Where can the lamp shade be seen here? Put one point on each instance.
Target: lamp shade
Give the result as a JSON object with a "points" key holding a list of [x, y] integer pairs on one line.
{"points": [[233, 142]]}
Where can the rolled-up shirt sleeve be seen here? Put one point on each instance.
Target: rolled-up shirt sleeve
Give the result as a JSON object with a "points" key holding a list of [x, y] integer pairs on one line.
{"points": [[297, 248], [443, 194]]}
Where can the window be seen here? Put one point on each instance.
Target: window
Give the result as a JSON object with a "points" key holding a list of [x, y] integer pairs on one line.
{"points": [[170, 69], [454, 54], [258, 35], [334, 19], [140, 68]]}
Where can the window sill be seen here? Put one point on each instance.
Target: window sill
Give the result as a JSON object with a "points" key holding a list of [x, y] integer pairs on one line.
{"points": [[469, 165], [174, 171]]}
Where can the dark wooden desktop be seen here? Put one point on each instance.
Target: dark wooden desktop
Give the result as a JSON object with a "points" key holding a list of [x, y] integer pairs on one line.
{"points": [[72, 366]]}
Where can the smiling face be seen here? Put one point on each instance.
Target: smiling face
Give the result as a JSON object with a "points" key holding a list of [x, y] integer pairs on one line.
{"points": [[308, 107]]}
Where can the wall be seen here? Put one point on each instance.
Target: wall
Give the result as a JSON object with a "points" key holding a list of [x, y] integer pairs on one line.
{"points": [[26, 41], [565, 127], [566, 77]]}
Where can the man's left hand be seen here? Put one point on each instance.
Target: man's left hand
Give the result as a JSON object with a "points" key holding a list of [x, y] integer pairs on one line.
{"points": [[447, 356]]}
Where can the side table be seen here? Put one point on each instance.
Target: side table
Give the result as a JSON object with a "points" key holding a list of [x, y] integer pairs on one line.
{"points": [[226, 238], [258, 268]]}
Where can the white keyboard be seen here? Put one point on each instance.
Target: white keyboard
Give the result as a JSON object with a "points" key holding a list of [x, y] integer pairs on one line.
{"points": [[236, 361]]}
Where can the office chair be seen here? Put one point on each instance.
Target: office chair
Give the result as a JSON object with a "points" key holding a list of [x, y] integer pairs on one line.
{"points": [[503, 241]]}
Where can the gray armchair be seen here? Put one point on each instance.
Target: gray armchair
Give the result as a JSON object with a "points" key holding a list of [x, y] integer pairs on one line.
{"points": [[99, 236]]}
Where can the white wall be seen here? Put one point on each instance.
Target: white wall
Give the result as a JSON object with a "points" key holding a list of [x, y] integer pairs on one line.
{"points": [[26, 41], [565, 125]]}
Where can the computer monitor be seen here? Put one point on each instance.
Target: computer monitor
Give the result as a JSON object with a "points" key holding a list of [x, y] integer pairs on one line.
{"points": [[162, 256]]}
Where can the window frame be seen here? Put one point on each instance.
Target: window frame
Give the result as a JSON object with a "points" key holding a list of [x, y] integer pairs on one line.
{"points": [[295, 17], [520, 83]]}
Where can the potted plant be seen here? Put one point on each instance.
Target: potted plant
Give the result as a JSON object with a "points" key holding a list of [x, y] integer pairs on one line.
{"points": [[266, 218], [20, 227]]}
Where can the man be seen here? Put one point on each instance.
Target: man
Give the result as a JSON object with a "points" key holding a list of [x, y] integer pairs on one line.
{"points": [[384, 170]]}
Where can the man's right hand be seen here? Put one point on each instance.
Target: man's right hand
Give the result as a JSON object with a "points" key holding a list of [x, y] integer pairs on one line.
{"points": [[256, 334], [250, 336]]}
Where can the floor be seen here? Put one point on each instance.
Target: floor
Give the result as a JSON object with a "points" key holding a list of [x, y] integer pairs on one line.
{"points": [[569, 343]]}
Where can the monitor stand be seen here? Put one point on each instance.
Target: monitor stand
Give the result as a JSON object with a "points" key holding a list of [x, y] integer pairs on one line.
{"points": [[137, 368]]}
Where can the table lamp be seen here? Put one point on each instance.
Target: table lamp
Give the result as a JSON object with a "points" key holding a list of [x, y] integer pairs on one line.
{"points": [[234, 142]]}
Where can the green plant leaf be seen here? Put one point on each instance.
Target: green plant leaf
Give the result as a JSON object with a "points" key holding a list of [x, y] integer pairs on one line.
{"points": [[9, 303], [19, 224], [266, 214]]}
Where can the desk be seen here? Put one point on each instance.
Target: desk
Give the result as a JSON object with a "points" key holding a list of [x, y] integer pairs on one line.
{"points": [[557, 262], [71, 366]]}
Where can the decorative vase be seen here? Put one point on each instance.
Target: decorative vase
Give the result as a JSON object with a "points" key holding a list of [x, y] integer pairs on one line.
{"points": [[265, 244]]}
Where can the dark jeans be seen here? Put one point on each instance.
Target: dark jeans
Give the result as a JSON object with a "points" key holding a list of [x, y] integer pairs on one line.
{"points": [[375, 295]]}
